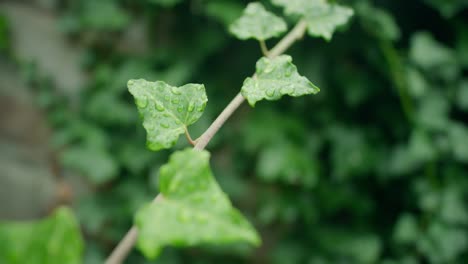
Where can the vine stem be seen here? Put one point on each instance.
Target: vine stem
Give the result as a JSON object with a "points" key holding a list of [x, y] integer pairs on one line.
{"points": [[121, 251], [264, 48]]}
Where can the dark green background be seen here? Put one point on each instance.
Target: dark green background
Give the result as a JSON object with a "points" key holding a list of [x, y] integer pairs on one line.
{"points": [[373, 169]]}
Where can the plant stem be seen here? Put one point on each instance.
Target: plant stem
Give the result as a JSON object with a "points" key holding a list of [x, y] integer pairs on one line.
{"points": [[189, 138], [295, 34], [264, 48], [219, 121], [121, 251]]}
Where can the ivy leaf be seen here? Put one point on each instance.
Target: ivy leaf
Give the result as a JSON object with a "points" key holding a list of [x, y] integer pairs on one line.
{"points": [[257, 23], [322, 22], [299, 7], [274, 78], [167, 110], [193, 210], [322, 18], [54, 240]]}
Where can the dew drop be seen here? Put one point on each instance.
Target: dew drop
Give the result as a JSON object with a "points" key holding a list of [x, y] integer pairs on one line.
{"points": [[175, 91], [130, 82], [167, 97], [175, 100], [160, 107], [269, 69], [270, 92], [201, 107], [141, 102], [180, 109], [191, 107], [164, 124]]}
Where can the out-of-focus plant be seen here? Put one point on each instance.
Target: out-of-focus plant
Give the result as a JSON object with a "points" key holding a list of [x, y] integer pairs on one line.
{"points": [[370, 170]]}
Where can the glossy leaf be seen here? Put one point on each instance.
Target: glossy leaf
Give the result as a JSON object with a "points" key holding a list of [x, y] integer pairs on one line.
{"points": [[322, 18], [193, 210], [256, 22], [275, 78], [55, 240], [167, 110]]}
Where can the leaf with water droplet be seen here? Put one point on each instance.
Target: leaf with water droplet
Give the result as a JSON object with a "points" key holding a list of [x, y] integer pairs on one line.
{"points": [[189, 216], [164, 109], [256, 22], [275, 78], [322, 17]]}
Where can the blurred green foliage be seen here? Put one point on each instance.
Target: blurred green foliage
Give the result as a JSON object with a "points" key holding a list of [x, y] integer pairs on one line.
{"points": [[54, 240], [371, 170]]}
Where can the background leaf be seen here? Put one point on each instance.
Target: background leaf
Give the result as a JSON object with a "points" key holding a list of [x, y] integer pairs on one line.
{"points": [[54, 240]]}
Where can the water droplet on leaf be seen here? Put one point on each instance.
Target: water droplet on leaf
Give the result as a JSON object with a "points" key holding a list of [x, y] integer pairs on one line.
{"points": [[164, 124], [175, 100], [270, 92], [180, 109], [141, 102], [191, 107], [160, 107], [175, 91]]}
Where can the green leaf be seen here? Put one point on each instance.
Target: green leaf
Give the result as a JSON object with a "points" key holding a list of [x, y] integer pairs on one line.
{"points": [[458, 134], [257, 23], [275, 78], [224, 11], [299, 7], [55, 240], [193, 209], [322, 18], [448, 8], [378, 21], [433, 56], [167, 110], [462, 95], [322, 22], [406, 229], [285, 162], [104, 15]]}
